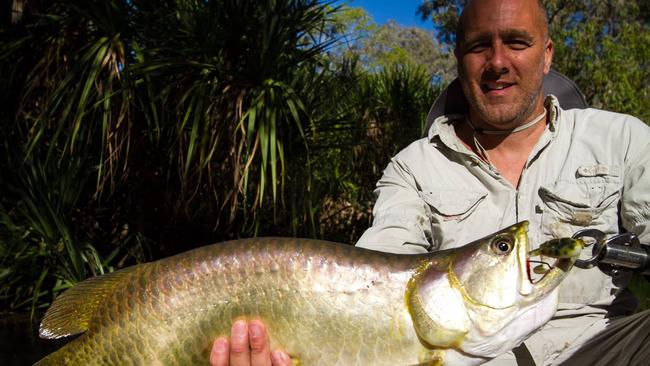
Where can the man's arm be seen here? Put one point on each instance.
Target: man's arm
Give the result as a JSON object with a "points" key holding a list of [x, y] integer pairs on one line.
{"points": [[401, 222], [635, 200]]}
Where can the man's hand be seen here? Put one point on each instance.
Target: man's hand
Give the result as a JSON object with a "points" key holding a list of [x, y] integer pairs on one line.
{"points": [[248, 346]]}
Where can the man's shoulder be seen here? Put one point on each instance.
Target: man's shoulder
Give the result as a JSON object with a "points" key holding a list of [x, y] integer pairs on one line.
{"points": [[599, 125], [421, 149], [594, 117], [437, 136], [611, 136]]}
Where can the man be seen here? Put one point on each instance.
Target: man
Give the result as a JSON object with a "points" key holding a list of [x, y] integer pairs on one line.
{"points": [[515, 156]]}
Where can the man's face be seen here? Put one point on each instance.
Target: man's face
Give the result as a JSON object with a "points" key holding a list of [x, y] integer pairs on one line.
{"points": [[502, 60]]}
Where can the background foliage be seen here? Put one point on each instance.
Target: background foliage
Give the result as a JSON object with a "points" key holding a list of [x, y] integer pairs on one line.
{"points": [[133, 131], [136, 131]]}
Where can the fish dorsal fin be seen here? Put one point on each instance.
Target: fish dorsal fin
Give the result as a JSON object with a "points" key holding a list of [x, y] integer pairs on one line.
{"points": [[71, 312]]}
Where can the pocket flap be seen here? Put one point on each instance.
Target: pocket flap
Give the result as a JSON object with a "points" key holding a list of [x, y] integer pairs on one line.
{"points": [[574, 203], [593, 195], [452, 202], [565, 195]]}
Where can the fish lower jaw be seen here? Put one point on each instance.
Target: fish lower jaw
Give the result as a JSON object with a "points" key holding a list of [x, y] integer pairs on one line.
{"points": [[514, 329], [456, 357], [549, 282]]}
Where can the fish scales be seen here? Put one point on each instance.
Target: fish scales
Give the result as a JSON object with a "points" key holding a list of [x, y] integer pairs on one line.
{"points": [[325, 303], [282, 281]]}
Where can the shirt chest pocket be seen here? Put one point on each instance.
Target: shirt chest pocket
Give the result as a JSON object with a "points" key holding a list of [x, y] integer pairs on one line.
{"points": [[451, 212], [569, 206]]}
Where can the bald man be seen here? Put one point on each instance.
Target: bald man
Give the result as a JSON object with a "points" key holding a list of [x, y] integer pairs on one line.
{"points": [[516, 155]]}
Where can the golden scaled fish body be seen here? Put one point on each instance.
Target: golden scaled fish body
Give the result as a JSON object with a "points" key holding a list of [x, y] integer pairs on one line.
{"points": [[325, 303]]}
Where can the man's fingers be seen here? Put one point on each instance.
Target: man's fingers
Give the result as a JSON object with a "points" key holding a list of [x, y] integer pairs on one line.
{"points": [[249, 346], [259, 344], [239, 344], [219, 354], [280, 358]]}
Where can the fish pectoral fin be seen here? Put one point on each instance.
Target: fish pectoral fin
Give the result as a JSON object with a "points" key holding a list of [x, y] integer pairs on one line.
{"points": [[295, 361], [72, 311], [431, 357]]}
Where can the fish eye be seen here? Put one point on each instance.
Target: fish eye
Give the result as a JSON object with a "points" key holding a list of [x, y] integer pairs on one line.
{"points": [[502, 245]]}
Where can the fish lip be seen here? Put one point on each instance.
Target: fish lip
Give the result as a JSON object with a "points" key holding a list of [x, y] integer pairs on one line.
{"points": [[550, 280], [526, 286]]}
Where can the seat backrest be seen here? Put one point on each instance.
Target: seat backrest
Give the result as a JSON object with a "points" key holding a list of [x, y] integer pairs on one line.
{"points": [[452, 100]]}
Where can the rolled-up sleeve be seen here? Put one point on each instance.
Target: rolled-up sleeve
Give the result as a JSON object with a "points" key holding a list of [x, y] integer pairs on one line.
{"points": [[635, 200], [401, 222]]}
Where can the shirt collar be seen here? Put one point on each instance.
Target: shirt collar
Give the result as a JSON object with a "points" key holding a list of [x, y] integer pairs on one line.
{"points": [[443, 126]]}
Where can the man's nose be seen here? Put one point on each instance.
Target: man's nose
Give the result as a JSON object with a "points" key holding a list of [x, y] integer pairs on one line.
{"points": [[497, 59]]}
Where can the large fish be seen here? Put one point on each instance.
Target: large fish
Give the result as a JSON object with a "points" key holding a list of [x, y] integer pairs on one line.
{"points": [[325, 303]]}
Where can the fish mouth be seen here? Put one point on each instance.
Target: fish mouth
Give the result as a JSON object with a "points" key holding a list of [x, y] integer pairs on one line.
{"points": [[532, 265], [536, 285]]}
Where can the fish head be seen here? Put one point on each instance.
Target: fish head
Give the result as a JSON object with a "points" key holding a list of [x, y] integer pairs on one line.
{"points": [[494, 271], [490, 302], [491, 272]]}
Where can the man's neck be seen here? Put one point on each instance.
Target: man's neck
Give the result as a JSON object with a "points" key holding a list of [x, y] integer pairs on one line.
{"points": [[508, 153]]}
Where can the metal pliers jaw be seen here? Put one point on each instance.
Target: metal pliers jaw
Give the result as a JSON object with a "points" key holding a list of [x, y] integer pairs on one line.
{"points": [[595, 239], [622, 252]]}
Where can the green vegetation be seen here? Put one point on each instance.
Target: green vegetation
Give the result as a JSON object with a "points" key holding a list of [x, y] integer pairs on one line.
{"points": [[139, 131], [133, 131]]}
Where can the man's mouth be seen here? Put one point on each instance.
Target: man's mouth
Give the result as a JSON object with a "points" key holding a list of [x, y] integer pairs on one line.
{"points": [[492, 86]]}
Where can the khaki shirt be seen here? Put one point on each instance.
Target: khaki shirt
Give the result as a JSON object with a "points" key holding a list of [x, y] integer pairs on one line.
{"points": [[590, 169]]}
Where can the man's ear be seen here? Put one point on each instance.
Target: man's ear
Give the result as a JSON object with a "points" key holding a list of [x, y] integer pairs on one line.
{"points": [[459, 59], [548, 56], [457, 53]]}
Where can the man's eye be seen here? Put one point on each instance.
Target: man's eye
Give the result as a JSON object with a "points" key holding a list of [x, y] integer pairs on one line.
{"points": [[518, 45], [479, 47]]}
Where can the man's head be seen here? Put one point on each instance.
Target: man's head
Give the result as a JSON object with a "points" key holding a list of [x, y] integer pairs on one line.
{"points": [[503, 52]]}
